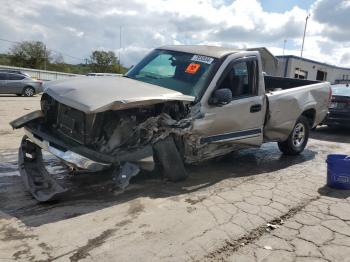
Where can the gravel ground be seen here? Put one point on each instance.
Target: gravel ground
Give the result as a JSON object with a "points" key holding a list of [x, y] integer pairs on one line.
{"points": [[255, 205]]}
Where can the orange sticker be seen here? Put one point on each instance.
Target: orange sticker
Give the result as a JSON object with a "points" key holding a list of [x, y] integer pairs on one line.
{"points": [[192, 68]]}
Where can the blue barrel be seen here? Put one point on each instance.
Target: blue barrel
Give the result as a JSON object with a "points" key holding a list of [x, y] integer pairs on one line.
{"points": [[338, 171]]}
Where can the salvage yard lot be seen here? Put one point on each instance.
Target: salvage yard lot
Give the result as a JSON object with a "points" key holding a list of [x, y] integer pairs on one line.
{"points": [[220, 213]]}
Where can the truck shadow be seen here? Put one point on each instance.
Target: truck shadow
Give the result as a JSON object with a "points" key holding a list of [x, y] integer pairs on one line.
{"points": [[94, 192], [332, 134]]}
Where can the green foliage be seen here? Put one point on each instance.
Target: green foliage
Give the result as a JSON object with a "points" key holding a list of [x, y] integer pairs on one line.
{"points": [[103, 61], [31, 54], [69, 68], [5, 60]]}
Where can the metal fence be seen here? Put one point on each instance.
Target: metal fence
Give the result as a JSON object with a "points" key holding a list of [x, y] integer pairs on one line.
{"points": [[40, 74]]}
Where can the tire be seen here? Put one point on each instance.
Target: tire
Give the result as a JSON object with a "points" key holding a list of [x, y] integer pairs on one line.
{"points": [[18, 94], [28, 91], [298, 138], [170, 160]]}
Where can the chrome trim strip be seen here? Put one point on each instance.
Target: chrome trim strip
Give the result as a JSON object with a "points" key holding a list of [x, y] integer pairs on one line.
{"points": [[68, 156], [232, 136]]}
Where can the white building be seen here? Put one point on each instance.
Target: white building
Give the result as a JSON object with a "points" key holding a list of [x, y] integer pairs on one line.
{"points": [[297, 67]]}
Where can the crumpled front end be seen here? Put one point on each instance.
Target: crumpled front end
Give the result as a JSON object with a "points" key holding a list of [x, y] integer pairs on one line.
{"points": [[93, 142]]}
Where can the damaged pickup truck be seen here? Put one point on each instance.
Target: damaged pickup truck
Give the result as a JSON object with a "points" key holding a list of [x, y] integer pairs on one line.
{"points": [[180, 104]]}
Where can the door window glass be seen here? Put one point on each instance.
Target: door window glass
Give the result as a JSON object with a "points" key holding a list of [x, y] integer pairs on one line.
{"points": [[3, 76], [242, 79], [15, 77]]}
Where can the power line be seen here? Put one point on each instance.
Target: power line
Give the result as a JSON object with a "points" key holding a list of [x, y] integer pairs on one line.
{"points": [[53, 50]]}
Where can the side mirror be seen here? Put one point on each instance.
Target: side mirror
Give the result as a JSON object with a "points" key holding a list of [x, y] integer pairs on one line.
{"points": [[221, 97]]}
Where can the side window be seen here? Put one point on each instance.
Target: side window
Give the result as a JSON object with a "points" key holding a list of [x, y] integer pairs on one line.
{"points": [[3, 76], [15, 77], [242, 79]]}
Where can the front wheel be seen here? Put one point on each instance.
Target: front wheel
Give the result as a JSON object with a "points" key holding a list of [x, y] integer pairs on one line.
{"points": [[28, 91], [297, 140], [170, 160]]}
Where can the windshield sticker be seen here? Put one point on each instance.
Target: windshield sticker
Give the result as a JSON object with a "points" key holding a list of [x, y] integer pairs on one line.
{"points": [[192, 68], [202, 59]]}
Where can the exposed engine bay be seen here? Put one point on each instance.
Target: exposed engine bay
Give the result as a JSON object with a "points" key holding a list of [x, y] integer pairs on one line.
{"points": [[111, 132]]}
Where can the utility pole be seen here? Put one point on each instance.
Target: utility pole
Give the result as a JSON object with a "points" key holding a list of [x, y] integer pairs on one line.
{"points": [[302, 46], [45, 56], [120, 47], [284, 44]]}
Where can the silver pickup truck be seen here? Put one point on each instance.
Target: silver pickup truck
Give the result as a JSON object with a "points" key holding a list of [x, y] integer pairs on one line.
{"points": [[180, 104]]}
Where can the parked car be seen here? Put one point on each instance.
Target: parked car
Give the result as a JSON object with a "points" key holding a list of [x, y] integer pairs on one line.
{"points": [[15, 82], [14, 72], [339, 108], [180, 104]]}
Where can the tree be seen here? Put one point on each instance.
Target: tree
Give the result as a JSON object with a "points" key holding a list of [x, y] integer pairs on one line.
{"points": [[58, 64], [32, 54], [103, 61]]}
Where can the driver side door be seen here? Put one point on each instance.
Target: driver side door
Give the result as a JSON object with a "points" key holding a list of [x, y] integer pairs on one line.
{"points": [[241, 120]]}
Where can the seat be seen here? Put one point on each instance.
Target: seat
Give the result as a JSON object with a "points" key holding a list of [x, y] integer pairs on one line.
{"points": [[237, 86]]}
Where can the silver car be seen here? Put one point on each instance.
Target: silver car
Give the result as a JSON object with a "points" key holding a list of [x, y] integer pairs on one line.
{"points": [[19, 84]]}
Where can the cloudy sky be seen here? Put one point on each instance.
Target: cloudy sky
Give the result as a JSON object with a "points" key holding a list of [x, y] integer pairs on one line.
{"points": [[76, 27]]}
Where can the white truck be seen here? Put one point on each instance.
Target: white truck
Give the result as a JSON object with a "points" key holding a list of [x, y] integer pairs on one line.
{"points": [[180, 104]]}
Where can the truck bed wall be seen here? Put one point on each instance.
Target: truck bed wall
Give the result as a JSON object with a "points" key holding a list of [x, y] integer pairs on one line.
{"points": [[273, 83], [286, 106]]}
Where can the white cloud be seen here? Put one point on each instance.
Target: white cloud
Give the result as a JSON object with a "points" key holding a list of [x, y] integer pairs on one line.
{"points": [[78, 26]]}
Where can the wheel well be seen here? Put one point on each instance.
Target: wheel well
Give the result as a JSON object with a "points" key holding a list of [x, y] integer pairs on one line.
{"points": [[29, 87], [310, 114]]}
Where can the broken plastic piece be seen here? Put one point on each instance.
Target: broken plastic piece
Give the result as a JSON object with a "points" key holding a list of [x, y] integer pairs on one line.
{"points": [[272, 226], [127, 171], [35, 177]]}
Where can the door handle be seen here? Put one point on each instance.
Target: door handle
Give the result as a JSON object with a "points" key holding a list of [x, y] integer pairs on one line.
{"points": [[255, 108]]}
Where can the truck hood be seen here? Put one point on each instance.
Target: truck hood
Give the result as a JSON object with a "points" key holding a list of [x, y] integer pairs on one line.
{"points": [[100, 93]]}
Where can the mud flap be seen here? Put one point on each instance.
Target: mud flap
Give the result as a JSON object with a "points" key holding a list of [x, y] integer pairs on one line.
{"points": [[34, 175]]}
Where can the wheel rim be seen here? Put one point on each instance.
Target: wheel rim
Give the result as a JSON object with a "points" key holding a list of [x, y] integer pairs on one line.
{"points": [[29, 92], [298, 135]]}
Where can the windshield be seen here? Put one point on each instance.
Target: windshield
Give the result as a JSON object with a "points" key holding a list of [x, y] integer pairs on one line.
{"points": [[183, 72]]}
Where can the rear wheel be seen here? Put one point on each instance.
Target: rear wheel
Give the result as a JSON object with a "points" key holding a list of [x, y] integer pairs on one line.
{"points": [[297, 140], [28, 91], [170, 160]]}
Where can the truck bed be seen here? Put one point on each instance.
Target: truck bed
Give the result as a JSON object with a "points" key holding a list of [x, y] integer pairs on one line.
{"points": [[288, 99], [274, 83]]}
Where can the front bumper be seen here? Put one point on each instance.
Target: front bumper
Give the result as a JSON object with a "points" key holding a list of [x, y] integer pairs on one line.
{"points": [[36, 178], [74, 154], [71, 158]]}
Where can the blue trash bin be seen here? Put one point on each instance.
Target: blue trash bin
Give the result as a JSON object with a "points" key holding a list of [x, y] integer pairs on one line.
{"points": [[338, 171]]}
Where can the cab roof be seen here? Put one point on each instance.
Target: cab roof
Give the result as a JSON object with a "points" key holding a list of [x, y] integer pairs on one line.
{"points": [[212, 51], [219, 52]]}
